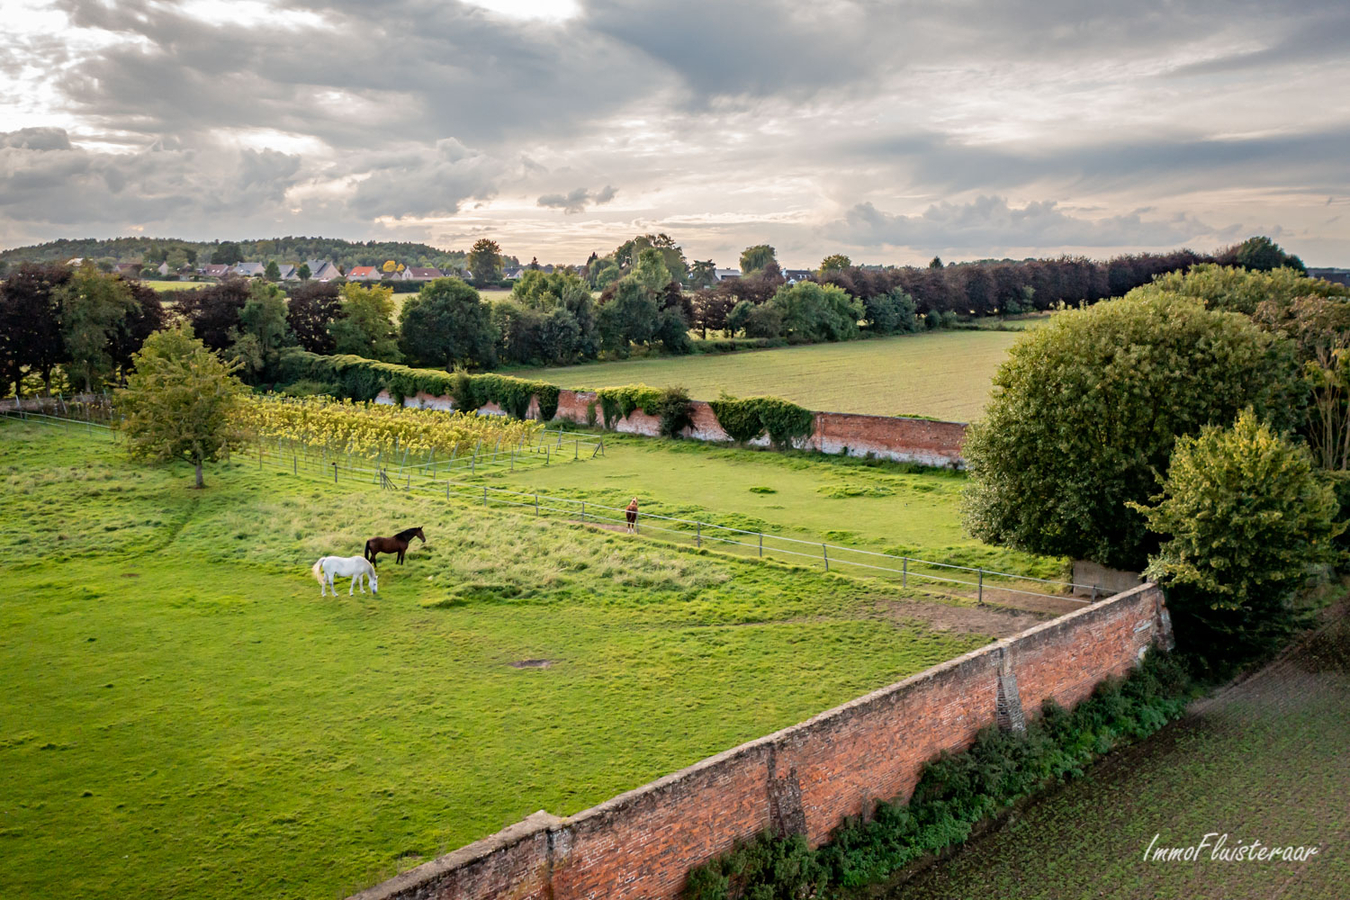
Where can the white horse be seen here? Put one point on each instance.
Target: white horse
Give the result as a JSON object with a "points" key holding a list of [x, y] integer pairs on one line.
{"points": [[345, 566]]}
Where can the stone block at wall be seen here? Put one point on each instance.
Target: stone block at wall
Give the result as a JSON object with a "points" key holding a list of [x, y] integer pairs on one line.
{"points": [[809, 777], [1107, 581]]}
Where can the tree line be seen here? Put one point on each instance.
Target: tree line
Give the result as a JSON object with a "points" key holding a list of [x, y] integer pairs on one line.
{"points": [[87, 323]]}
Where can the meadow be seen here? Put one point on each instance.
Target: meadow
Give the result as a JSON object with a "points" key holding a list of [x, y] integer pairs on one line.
{"points": [[895, 508], [939, 374], [1263, 760], [182, 715]]}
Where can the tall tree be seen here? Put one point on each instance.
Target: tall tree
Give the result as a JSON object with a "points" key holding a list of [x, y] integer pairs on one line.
{"points": [[262, 331], [485, 261], [273, 271], [702, 274], [365, 326], [31, 336], [145, 318], [94, 307], [1243, 515], [447, 324], [213, 311], [312, 308], [179, 401], [835, 262], [756, 259], [227, 253], [1089, 407]]}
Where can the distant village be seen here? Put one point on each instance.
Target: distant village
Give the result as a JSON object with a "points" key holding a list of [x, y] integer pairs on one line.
{"points": [[325, 270]]}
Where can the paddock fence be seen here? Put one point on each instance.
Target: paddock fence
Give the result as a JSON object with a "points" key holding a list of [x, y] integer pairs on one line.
{"points": [[435, 479]]}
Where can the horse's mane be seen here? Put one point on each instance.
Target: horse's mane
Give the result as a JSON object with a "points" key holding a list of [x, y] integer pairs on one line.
{"points": [[407, 533]]}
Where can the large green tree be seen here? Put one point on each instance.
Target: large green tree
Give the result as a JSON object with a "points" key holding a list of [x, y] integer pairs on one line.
{"points": [[31, 337], [94, 307], [179, 401], [447, 324], [1244, 514], [365, 323], [485, 261], [817, 312], [1088, 407], [756, 259], [262, 331], [1240, 290]]}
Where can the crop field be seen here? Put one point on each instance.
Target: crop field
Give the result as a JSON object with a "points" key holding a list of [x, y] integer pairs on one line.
{"points": [[941, 374], [181, 715], [1264, 760]]}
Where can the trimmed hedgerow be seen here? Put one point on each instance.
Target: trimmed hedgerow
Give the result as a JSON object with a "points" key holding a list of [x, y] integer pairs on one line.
{"points": [[955, 793], [745, 420]]}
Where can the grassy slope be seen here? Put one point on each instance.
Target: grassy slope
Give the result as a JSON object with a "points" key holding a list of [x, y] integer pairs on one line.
{"points": [[1264, 762], [942, 374], [181, 712]]}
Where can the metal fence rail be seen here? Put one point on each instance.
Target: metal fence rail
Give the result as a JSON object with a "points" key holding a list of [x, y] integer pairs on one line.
{"points": [[967, 582]]}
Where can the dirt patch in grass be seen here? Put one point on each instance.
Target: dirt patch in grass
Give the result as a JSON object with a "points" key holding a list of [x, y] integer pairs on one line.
{"points": [[999, 623], [533, 664]]}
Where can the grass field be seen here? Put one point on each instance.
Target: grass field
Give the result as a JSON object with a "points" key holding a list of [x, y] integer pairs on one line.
{"points": [[873, 505], [182, 716], [942, 374], [1263, 761]]}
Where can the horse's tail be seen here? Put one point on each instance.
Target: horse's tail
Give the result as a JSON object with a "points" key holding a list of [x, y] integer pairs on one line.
{"points": [[318, 570]]}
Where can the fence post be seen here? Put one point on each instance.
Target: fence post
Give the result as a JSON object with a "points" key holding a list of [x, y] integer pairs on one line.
{"points": [[536, 505], [546, 456], [583, 511], [576, 449], [761, 545], [698, 534], [334, 473], [485, 495], [260, 454], [295, 464], [904, 572], [980, 599], [826, 551], [1094, 593]]}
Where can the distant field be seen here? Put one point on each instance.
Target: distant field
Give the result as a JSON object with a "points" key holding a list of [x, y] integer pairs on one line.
{"points": [[174, 285], [944, 374], [1264, 761], [182, 716]]}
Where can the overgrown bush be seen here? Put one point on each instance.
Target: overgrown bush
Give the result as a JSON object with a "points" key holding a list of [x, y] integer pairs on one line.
{"points": [[954, 793], [745, 420], [619, 402], [675, 410]]}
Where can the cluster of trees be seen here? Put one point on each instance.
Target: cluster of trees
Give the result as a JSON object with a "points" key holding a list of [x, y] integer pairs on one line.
{"points": [[179, 253], [1198, 428], [81, 322]]}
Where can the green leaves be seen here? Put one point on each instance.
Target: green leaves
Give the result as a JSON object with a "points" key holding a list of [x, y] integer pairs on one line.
{"points": [[1086, 411], [1246, 516]]}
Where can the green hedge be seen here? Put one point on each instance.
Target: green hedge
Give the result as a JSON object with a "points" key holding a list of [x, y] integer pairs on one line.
{"points": [[955, 793], [363, 379]]}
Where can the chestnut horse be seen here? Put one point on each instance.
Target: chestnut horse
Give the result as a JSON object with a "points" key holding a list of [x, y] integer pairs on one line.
{"points": [[396, 544], [631, 515]]}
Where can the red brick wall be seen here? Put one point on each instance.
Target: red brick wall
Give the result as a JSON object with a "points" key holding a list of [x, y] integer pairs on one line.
{"points": [[906, 440], [805, 778]]}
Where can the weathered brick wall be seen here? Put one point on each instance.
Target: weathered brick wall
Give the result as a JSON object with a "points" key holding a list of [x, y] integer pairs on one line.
{"points": [[802, 779], [905, 440]]}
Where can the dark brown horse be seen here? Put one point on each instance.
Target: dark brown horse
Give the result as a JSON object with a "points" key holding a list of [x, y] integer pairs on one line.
{"points": [[396, 544], [631, 515]]}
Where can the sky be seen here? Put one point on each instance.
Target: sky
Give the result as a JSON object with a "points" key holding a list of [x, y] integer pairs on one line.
{"points": [[888, 131]]}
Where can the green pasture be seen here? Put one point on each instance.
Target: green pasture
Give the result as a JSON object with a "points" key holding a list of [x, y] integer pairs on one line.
{"points": [[1263, 761], [940, 374], [873, 505], [182, 715]]}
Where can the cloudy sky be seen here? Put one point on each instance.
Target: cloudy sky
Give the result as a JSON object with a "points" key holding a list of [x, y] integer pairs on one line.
{"points": [[890, 131]]}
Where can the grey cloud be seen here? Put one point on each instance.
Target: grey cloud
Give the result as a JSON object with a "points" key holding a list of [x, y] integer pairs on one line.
{"points": [[1311, 160], [577, 200], [991, 224], [36, 139]]}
